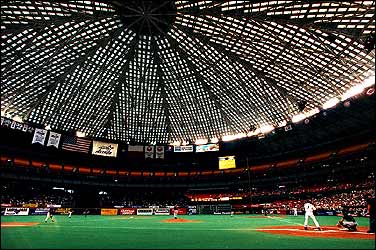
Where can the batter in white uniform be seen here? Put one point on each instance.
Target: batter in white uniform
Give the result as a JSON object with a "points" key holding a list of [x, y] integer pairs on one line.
{"points": [[309, 208]]}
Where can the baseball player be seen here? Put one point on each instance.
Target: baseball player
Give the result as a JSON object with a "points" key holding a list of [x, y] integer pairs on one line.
{"points": [[50, 215], [176, 211], [347, 221], [309, 208], [70, 213], [295, 209]]}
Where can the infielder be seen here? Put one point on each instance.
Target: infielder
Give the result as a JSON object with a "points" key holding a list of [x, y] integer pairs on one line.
{"points": [[309, 208], [295, 209], [50, 215]]}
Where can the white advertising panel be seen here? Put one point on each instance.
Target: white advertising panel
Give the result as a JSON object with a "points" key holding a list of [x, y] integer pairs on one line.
{"points": [[144, 211], [162, 211], [188, 148], [16, 211], [104, 148]]}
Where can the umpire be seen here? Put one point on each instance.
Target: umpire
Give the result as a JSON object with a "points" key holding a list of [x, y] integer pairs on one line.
{"points": [[371, 212]]}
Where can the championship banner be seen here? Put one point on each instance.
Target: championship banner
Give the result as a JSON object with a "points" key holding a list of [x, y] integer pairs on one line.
{"points": [[54, 139], [109, 211], [159, 152], [149, 152], [39, 136], [16, 211], [188, 148], [104, 148], [127, 211]]}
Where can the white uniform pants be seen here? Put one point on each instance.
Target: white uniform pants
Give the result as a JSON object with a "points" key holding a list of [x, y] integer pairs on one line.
{"points": [[313, 218]]}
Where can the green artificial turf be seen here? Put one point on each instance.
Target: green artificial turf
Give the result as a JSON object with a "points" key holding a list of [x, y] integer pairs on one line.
{"points": [[149, 232]]}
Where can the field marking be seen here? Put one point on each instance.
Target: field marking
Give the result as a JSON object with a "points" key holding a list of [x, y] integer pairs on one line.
{"points": [[204, 229], [286, 220]]}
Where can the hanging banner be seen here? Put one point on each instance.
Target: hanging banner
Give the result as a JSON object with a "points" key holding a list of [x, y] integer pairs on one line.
{"points": [[159, 152], [39, 136], [54, 139], [149, 152], [136, 148], [188, 148], [104, 148], [207, 148]]}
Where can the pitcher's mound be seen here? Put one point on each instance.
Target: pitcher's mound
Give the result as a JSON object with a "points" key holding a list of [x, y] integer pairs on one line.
{"points": [[327, 232], [179, 220]]}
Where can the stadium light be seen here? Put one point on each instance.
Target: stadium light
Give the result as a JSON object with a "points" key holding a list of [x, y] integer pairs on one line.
{"points": [[312, 112], [47, 127], [331, 103], [282, 124], [17, 118], [233, 137], [80, 134], [201, 141], [266, 129], [298, 118], [353, 91], [214, 140], [369, 81]]}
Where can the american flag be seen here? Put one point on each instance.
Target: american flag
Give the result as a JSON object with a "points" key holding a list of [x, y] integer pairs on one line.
{"points": [[77, 144]]}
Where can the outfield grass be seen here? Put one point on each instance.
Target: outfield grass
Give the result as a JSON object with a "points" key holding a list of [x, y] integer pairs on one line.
{"points": [[149, 232]]}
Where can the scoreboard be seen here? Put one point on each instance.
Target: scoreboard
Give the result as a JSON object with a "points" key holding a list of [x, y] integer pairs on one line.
{"points": [[226, 162]]}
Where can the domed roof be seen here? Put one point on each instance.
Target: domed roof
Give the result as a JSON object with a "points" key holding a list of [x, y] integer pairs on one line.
{"points": [[141, 72]]}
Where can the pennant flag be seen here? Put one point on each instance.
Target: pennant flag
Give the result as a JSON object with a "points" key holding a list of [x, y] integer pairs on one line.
{"points": [[24, 128], [149, 152], [76, 144], [39, 136], [54, 139], [19, 126], [104, 148], [288, 127], [159, 152], [7, 122], [13, 125]]}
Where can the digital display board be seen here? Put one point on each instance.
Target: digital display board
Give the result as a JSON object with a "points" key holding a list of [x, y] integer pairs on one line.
{"points": [[207, 148], [226, 162]]}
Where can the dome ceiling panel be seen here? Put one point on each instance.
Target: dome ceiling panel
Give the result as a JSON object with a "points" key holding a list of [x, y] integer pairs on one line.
{"points": [[141, 72]]}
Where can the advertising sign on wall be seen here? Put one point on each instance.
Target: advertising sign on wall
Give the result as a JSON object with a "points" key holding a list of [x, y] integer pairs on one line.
{"points": [[127, 211], [188, 148], [144, 211], [162, 211], [16, 211], [109, 211]]}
